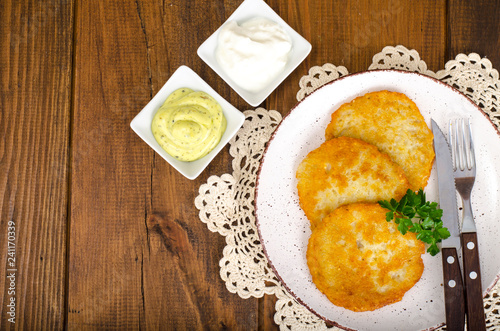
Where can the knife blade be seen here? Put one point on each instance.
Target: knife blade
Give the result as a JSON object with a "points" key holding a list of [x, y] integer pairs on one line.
{"points": [[452, 276]]}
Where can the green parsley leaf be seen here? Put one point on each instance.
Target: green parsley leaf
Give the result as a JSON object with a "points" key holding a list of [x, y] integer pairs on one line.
{"points": [[443, 232], [413, 213], [433, 249], [386, 205]]}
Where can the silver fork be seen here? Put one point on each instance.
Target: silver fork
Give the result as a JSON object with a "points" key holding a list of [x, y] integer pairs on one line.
{"points": [[464, 168]]}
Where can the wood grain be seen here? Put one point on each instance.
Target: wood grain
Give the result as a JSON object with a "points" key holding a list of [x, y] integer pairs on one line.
{"points": [[36, 42], [110, 178], [473, 27], [349, 33], [139, 256], [190, 253], [107, 234]]}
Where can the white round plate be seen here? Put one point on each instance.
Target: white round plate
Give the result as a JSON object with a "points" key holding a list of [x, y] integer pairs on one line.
{"points": [[284, 229]]}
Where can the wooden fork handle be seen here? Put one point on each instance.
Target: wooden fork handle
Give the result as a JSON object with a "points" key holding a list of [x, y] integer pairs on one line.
{"points": [[453, 290], [472, 278]]}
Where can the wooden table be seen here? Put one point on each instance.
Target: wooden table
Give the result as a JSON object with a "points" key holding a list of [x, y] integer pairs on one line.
{"points": [[106, 232]]}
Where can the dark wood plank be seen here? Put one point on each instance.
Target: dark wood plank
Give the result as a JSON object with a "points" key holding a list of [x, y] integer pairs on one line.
{"points": [[35, 91], [140, 257], [473, 27], [110, 173], [194, 251], [350, 33]]}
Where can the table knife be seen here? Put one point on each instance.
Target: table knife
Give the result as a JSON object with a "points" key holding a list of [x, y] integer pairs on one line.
{"points": [[452, 276]]}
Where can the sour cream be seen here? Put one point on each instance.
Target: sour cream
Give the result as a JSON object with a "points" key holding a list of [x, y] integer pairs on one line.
{"points": [[254, 53], [189, 124]]}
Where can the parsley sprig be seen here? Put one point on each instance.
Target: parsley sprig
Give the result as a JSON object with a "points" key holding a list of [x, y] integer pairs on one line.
{"points": [[414, 213]]}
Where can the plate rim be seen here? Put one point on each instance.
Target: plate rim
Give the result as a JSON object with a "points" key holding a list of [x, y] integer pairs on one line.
{"points": [[275, 132]]}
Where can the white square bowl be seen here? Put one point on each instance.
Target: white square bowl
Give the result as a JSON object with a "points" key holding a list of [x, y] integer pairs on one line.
{"points": [[247, 10], [185, 77]]}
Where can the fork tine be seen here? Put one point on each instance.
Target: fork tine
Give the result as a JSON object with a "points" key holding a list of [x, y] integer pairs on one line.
{"points": [[457, 142], [471, 160], [462, 152], [453, 142], [467, 148], [462, 145]]}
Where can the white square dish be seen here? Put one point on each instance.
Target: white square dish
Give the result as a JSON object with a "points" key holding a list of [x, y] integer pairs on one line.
{"points": [[185, 77], [247, 10]]}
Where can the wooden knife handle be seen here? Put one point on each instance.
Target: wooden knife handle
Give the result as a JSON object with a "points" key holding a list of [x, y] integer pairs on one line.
{"points": [[453, 290], [472, 277]]}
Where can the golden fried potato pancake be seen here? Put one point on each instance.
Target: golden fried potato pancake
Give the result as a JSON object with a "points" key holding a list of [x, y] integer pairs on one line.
{"points": [[392, 122], [346, 170], [362, 262]]}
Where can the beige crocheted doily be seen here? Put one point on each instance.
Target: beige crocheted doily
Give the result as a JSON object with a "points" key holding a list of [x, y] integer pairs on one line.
{"points": [[226, 202]]}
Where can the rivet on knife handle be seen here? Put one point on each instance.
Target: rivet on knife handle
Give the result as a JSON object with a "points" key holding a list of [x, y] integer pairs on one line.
{"points": [[453, 290]]}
